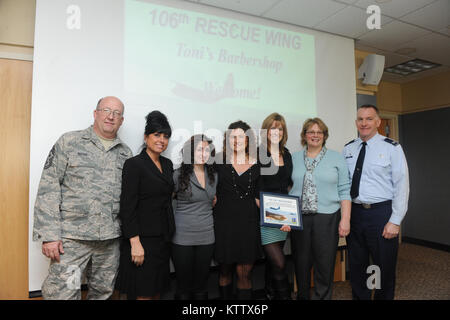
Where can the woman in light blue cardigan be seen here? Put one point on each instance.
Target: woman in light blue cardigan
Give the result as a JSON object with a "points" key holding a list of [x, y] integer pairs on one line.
{"points": [[321, 180]]}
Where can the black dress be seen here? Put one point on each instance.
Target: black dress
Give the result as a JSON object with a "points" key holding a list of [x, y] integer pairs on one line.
{"points": [[278, 182], [146, 210], [236, 216]]}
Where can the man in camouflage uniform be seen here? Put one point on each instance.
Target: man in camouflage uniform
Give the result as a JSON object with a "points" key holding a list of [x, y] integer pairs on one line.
{"points": [[77, 206]]}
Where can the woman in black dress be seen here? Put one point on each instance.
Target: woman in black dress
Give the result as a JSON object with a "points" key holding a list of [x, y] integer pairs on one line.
{"points": [[146, 214], [275, 177], [236, 215]]}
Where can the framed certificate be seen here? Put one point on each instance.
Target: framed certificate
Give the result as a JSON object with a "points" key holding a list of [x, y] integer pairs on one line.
{"points": [[278, 209]]}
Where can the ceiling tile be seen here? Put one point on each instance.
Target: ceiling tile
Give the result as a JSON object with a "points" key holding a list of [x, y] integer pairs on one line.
{"points": [[392, 35], [384, 20], [350, 22], [254, 7], [393, 59], [364, 47], [307, 13], [391, 77], [435, 16], [433, 47], [395, 8], [445, 31]]}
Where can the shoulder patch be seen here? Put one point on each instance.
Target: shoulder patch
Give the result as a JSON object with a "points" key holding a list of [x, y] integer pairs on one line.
{"points": [[349, 142], [393, 142], [49, 161]]}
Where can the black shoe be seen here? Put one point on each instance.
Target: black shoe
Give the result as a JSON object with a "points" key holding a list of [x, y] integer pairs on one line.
{"points": [[244, 294], [183, 296], [269, 294], [226, 292], [281, 289], [200, 295]]}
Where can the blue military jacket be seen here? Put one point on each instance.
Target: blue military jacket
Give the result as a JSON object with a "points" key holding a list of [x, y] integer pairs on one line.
{"points": [[384, 173]]}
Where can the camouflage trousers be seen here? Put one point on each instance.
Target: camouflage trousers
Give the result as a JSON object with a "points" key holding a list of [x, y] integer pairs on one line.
{"points": [[98, 259]]}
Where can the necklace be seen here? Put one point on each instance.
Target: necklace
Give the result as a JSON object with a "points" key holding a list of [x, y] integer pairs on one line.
{"points": [[238, 193]]}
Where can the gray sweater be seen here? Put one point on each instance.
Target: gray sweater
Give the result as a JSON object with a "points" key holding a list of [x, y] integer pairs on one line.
{"points": [[193, 212]]}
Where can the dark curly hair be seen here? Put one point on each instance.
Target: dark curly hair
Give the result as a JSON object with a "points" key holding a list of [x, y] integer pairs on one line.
{"points": [[251, 138], [187, 165]]}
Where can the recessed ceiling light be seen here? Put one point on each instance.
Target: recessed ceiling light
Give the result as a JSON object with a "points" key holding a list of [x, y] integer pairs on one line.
{"points": [[412, 66]]}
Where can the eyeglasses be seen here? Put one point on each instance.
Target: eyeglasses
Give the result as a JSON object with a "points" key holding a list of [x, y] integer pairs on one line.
{"points": [[313, 133], [107, 112]]}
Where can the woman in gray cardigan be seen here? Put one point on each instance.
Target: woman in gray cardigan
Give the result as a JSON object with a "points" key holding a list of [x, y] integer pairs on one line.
{"points": [[193, 242]]}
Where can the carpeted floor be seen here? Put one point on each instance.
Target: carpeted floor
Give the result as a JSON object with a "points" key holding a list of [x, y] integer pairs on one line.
{"points": [[422, 274]]}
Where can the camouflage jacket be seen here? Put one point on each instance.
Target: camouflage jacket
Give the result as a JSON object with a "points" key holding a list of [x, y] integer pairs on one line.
{"points": [[79, 191]]}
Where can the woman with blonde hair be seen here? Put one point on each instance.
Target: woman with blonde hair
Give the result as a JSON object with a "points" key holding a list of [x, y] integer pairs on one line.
{"points": [[277, 179], [320, 178]]}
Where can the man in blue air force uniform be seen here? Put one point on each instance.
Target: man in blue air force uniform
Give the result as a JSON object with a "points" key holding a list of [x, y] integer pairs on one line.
{"points": [[379, 191]]}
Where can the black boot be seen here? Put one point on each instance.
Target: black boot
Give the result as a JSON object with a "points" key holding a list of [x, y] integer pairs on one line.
{"points": [[281, 289], [200, 295], [226, 292], [244, 294], [268, 284]]}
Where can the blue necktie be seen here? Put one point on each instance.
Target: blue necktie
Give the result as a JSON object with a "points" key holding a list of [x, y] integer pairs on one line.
{"points": [[354, 191]]}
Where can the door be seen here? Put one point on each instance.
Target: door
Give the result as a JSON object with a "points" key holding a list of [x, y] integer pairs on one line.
{"points": [[15, 120]]}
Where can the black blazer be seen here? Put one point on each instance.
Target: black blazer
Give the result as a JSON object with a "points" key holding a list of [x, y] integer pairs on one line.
{"points": [[146, 198]]}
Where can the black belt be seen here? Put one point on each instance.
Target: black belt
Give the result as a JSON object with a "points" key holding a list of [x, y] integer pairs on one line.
{"points": [[372, 205]]}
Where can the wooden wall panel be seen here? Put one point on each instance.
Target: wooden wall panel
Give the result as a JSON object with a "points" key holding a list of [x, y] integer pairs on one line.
{"points": [[389, 97], [15, 121], [426, 94], [17, 19]]}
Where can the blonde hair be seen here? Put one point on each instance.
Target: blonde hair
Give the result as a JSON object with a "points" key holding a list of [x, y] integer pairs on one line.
{"points": [[308, 124], [267, 124]]}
